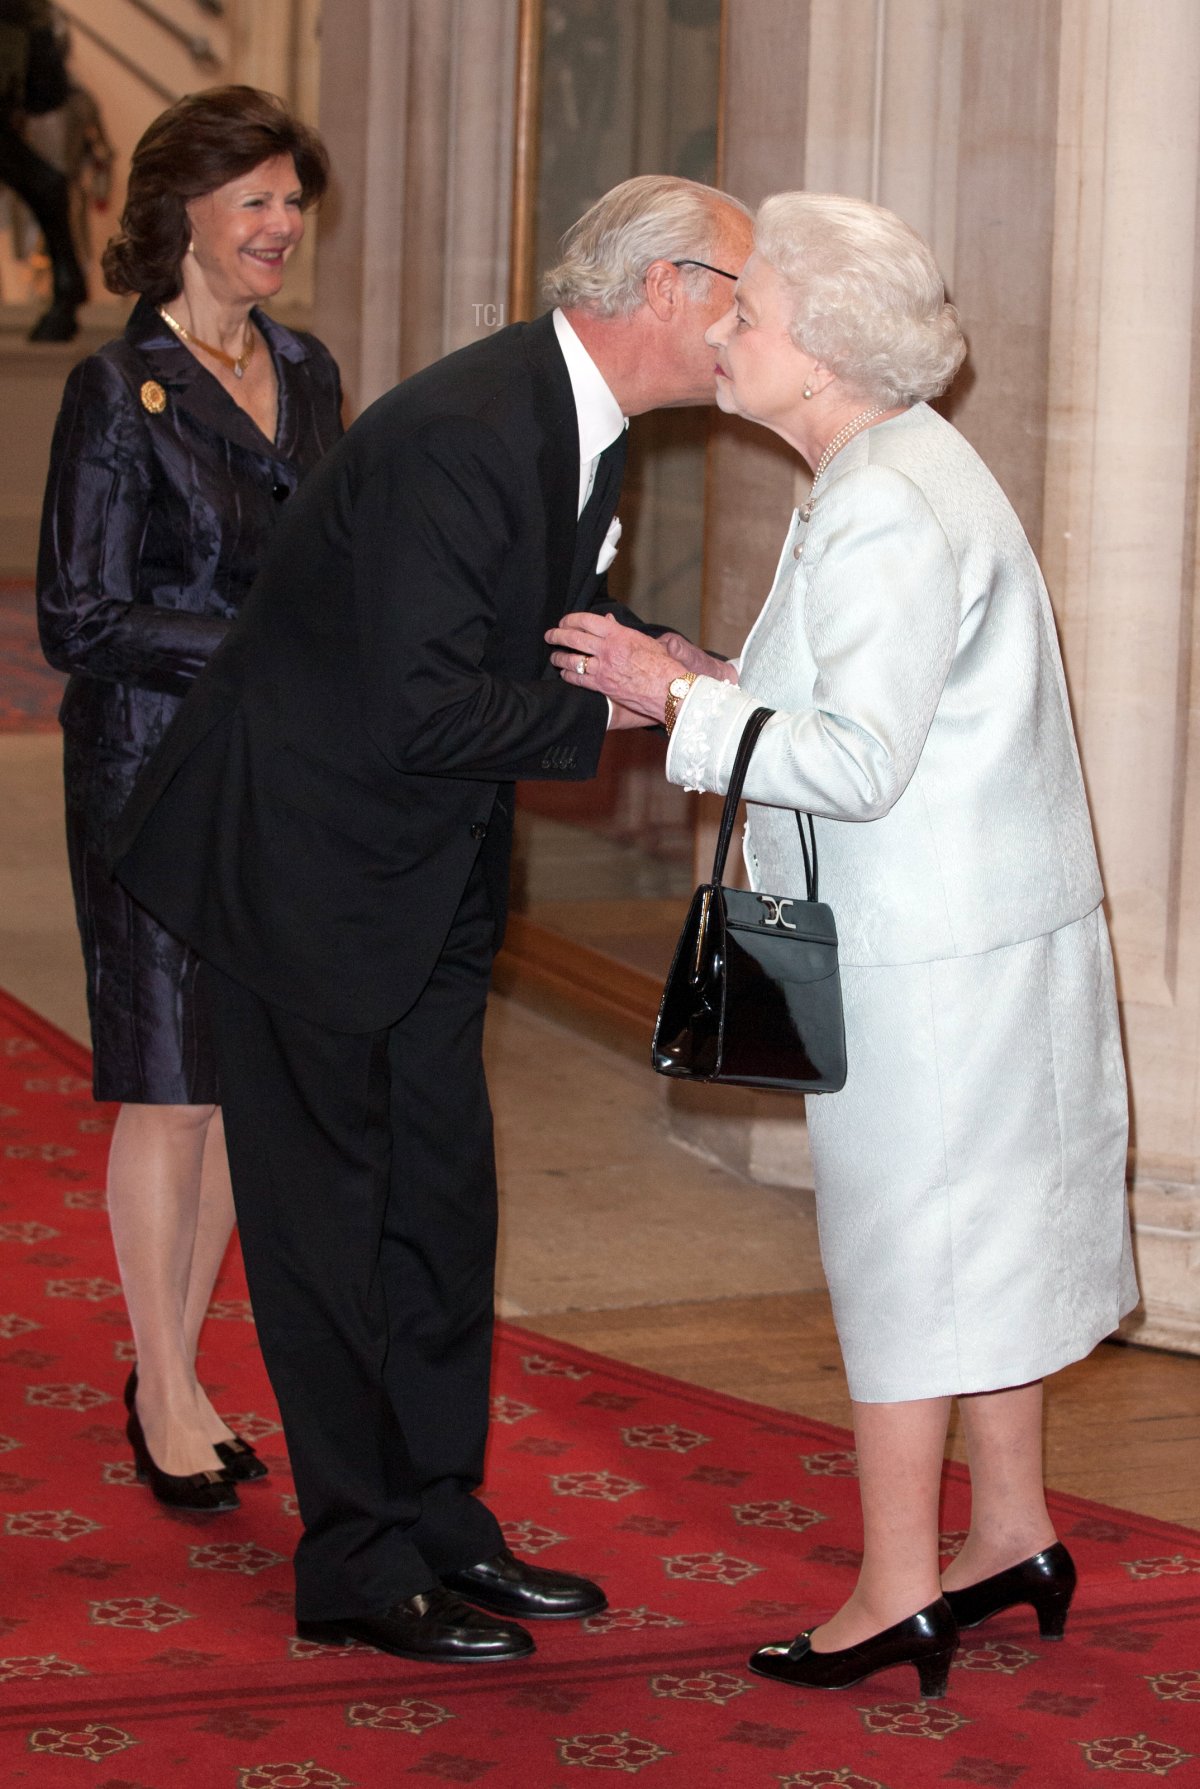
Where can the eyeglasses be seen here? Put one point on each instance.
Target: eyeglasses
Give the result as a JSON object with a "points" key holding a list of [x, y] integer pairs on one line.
{"points": [[708, 268]]}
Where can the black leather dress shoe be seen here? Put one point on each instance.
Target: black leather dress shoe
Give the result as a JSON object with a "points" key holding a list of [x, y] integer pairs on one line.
{"points": [[926, 1640], [507, 1586], [434, 1625], [1046, 1580]]}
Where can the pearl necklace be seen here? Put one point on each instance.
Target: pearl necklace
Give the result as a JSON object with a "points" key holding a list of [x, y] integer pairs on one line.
{"points": [[236, 363], [835, 446]]}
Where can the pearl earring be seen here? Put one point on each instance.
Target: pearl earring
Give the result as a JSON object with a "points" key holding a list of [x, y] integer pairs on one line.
{"points": [[808, 391]]}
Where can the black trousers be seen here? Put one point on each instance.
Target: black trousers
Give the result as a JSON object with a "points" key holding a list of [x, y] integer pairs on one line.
{"points": [[365, 1186]]}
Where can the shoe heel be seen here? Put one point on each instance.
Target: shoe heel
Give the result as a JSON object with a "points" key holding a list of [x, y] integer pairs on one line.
{"points": [[934, 1672], [137, 1445], [1052, 1615]]}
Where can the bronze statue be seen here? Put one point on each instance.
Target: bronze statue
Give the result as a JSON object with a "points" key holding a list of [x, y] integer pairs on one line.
{"points": [[33, 80]]}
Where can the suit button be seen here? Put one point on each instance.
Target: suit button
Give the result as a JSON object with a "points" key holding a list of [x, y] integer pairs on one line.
{"points": [[280, 491], [479, 830]]}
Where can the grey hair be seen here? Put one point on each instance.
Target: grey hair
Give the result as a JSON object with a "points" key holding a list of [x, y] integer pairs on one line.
{"points": [[607, 254], [869, 301]]}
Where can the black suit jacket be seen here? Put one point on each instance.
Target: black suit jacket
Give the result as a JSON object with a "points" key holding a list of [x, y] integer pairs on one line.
{"points": [[311, 818]]}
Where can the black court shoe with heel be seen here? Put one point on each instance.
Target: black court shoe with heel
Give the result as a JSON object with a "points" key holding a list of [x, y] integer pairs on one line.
{"points": [[239, 1461], [926, 1640], [205, 1493], [1046, 1581]]}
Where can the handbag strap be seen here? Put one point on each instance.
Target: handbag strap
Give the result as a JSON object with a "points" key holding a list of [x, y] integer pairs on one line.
{"points": [[741, 764]]}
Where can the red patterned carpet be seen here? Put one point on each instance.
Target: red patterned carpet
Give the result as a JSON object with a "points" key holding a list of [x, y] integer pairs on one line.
{"points": [[30, 691], [144, 1650]]}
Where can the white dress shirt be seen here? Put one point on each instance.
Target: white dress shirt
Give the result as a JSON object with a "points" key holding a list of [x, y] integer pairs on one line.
{"points": [[598, 413]]}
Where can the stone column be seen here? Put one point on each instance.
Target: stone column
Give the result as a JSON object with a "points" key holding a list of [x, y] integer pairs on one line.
{"points": [[753, 484], [417, 109], [752, 475], [1119, 552], [277, 48]]}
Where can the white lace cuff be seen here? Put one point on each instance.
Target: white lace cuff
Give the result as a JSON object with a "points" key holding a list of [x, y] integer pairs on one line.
{"points": [[706, 733]]}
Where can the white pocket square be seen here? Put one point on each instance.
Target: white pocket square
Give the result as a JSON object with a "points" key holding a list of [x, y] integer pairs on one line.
{"points": [[608, 547]]}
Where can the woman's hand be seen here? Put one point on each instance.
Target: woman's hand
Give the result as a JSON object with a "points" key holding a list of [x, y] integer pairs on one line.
{"points": [[595, 652], [694, 658]]}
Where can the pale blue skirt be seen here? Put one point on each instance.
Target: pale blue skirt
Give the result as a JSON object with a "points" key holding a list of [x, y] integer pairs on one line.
{"points": [[970, 1176]]}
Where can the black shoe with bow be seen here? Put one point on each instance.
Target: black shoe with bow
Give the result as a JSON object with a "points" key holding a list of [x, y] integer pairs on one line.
{"points": [[239, 1462], [507, 1586], [926, 1640], [435, 1625], [205, 1493], [1046, 1581]]}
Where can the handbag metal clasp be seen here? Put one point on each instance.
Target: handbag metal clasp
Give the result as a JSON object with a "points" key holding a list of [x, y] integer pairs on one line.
{"points": [[774, 915]]}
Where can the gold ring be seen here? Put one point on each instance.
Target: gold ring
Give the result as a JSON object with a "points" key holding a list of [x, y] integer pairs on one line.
{"points": [[581, 666]]}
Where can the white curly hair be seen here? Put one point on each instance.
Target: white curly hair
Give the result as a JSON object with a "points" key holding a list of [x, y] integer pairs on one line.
{"points": [[869, 301]]}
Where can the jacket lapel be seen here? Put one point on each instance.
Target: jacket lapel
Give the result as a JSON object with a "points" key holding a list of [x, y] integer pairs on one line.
{"points": [[557, 459], [599, 512], [289, 354], [197, 392]]}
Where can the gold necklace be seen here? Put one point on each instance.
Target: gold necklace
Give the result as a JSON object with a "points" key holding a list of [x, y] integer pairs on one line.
{"points": [[835, 446], [236, 363]]}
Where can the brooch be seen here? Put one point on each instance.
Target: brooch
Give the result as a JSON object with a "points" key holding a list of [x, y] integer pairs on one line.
{"points": [[153, 397]]}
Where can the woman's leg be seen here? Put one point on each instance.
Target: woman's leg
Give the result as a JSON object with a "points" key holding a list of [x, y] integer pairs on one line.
{"points": [[214, 1226], [900, 1450], [1009, 1518], [155, 1171]]}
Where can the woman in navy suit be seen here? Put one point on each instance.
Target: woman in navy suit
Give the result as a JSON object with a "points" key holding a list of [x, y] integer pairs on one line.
{"points": [[176, 446]]}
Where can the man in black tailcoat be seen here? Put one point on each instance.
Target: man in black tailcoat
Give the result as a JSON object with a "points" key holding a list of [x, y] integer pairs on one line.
{"points": [[328, 823]]}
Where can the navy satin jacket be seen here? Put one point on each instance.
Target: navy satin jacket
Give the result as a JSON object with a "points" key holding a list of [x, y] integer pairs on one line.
{"points": [[161, 497]]}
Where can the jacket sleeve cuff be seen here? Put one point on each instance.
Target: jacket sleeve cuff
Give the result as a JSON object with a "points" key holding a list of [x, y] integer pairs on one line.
{"points": [[705, 737]]}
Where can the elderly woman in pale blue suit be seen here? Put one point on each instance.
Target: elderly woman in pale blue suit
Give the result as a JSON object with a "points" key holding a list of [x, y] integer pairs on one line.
{"points": [[970, 1176]]}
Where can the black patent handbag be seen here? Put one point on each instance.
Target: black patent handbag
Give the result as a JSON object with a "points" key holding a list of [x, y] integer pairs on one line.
{"points": [[754, 996]]}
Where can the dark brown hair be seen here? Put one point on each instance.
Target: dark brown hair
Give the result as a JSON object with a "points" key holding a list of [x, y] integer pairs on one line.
{"points": [[195, 146]]}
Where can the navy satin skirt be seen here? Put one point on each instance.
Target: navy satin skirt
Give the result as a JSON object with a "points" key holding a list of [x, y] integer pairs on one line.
{"points": [[151, 1040]]}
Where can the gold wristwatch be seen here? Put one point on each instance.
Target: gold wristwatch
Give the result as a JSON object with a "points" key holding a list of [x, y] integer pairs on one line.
{"points": [[677, 689]]}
